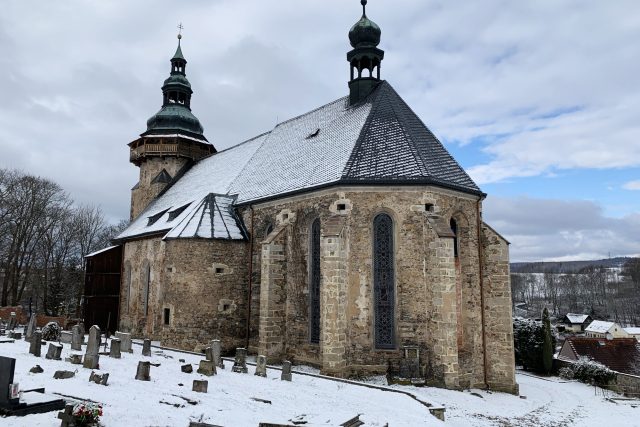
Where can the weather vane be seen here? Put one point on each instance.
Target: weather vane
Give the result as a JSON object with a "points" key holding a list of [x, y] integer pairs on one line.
{"points": [[180, 27]]}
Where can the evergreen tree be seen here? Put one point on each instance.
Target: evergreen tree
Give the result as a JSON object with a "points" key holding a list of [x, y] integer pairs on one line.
{"points": [[547, 343]]}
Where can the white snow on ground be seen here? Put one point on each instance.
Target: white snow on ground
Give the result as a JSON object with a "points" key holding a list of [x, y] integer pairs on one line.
{"points": [[127, 402]]}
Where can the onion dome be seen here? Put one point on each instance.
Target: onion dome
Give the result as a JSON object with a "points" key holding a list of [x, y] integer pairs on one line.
{"points": [[365, 32]]}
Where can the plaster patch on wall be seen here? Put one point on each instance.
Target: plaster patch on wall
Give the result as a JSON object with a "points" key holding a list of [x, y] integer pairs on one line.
{"points": [[286, 216], [226, 306], [220, 269], [341, 206], [362, 302]]}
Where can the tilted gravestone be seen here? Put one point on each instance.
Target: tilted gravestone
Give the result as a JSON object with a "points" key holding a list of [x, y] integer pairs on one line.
{"points": [[54, 352], [77, 337], [125, 342], [146, 347], [240, 362], [207, 368], [142, 373], [216, 348], [63, 375], [30, 328], [75, 359], [187, 369], [114, 350], [261, 366], [36, 344], [286, 371], [99, 378], [200, 386]]}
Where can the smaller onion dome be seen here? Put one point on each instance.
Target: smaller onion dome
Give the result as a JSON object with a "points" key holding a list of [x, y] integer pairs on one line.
{"points": [[365, 32]]}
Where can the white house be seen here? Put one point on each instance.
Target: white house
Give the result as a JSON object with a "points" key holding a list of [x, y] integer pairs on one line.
{"points": [[633, 332], [576, 322], [600, 329]]}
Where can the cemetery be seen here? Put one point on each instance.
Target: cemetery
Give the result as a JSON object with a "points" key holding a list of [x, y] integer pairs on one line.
{"points": [[137, 383]]}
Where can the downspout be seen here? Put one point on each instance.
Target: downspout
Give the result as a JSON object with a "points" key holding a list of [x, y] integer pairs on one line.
{"points": [[251, 237], [480, 263]]}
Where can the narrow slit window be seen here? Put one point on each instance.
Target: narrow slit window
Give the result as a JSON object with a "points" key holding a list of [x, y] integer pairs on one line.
{"points": [[167, 315]]}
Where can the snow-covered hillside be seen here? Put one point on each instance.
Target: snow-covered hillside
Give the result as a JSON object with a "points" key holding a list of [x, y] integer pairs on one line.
{"points": [[318, 401]]}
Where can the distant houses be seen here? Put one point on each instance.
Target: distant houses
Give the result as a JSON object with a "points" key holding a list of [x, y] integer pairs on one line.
{"points": [[602, 329], [633, 332], [576, 322]]}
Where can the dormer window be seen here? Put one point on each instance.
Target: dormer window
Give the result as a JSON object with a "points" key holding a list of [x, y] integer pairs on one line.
{"points": [[176, 212], [154, 218]]}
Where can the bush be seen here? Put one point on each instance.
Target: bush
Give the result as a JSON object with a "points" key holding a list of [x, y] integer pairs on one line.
{"points": [[528, 336], [589, 371], [51, 332]]}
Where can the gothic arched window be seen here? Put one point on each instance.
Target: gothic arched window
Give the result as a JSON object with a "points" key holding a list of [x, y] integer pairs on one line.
{"points": [[314, 283], [383, 282]]}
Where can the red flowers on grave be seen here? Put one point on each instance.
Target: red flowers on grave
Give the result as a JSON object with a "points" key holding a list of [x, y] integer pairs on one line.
{"points": [[86, 413]]}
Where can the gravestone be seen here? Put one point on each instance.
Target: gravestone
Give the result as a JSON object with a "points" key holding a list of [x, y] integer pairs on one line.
{"points": [[36, 344], [30, 328], [82, 331], [207, 368], [410, 363], [13, 321], [261, 366], [146, 347], [66, 337], [125, 342], [200, 386], [8, 390], [240, 362], [63, 375], [10, 395], [114, 350], [75, 359], [208, 353], [286, 371], [54, 352], [93, 345], [98, 378], [91, 357], [67, 416], [14, 335], [76, 338], [187, 369], [142, 373], [216, 348]]}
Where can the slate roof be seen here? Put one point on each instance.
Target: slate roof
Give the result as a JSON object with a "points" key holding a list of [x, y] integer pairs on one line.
{"points": [[378, 141], [577, 318], [213, 218], [619, 354]]}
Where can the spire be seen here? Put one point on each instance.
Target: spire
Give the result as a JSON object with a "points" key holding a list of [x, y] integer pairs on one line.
{"points": [[175, 114], [365, 58]]}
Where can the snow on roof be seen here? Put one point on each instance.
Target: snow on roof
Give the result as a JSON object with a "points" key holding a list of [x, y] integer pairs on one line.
{"points": [[577, 318], [100, 251], [212, 218], [599, 326], [378, 141], [633, 331]]}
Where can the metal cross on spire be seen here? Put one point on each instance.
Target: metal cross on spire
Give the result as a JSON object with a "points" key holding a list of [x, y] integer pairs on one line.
{"points": [[364, 5], [180, 28]]}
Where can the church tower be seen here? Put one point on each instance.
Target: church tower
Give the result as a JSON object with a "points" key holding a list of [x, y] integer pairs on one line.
{"points": [[365, 58], [173, 140]]}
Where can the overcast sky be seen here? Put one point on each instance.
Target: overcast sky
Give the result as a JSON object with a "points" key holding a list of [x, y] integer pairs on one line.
{"points": [[538, 100]]}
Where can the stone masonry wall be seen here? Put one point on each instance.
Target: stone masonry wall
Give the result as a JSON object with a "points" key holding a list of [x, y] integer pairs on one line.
{"points": [[203, 283], [425, 275], [205, 290], [146, 191], [134, 316], [500, 357]]}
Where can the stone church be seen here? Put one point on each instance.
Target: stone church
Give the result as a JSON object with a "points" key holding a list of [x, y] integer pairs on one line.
{"points": [[346, 238]]}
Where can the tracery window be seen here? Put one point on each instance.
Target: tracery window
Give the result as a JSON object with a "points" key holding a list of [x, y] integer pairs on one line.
{"points": [[314, 283], [383, 282]]}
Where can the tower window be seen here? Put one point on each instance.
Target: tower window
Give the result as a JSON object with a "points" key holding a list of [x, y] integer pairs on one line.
{"points": [[383, 282], [167, 315]]}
